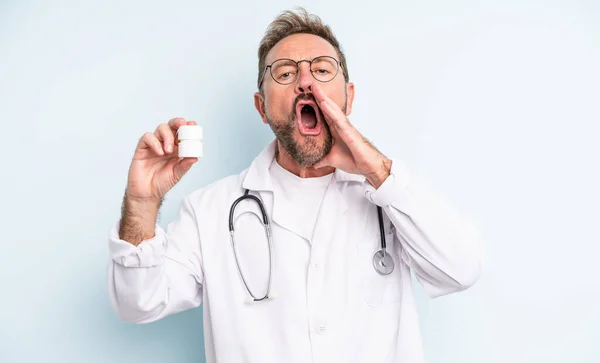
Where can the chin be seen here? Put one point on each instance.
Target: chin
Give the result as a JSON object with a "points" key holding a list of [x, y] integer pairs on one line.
{"points": [[311, 149]]}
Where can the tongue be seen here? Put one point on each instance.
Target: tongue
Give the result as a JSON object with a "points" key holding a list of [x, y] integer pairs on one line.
{"points": [[308, 119]]}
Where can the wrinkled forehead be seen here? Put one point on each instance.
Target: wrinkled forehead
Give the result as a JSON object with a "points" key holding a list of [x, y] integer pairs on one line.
{"points": [[301, 46]]}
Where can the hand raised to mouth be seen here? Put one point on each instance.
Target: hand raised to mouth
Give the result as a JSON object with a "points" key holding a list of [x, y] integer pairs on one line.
{"points": [[351, 152]]}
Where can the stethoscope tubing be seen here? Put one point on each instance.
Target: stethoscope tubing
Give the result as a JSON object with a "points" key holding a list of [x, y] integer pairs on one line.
{"points": [[380, 256]]}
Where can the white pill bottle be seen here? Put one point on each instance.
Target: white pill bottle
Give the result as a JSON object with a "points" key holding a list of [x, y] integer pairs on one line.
{"points": [[190, 141]]}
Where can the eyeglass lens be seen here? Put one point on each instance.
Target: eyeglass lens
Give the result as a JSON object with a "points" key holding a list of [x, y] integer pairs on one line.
{"points": [[285, 71]]}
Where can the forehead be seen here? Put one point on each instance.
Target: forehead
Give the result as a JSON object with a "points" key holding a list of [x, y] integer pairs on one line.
{"points": [[301, 46]]}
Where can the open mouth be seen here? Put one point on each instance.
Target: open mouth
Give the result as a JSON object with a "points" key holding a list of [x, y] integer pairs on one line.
{"points": [[308, 119]]}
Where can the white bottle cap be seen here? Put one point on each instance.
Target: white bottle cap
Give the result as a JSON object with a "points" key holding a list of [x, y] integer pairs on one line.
{"points": [[190, 149], [190, 132]]}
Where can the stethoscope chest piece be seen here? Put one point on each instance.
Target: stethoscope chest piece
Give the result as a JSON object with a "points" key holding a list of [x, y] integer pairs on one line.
{"points": [[383, 262]]}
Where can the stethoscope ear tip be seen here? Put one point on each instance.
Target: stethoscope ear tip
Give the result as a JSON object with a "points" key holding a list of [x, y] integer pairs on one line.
{"points": [[249, 301]]}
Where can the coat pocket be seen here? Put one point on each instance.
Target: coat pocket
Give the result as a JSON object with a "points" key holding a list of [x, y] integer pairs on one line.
{"points": [[377, 289]]}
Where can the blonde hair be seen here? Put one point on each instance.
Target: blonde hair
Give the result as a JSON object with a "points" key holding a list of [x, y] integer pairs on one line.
{"points": [[289, 23]]}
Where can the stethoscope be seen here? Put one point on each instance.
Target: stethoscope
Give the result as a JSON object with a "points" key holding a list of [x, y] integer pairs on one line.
{"points": [[382, 261]]}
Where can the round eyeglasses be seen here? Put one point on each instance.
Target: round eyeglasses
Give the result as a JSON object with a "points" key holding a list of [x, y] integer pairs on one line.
{"points": [[285, 71]]}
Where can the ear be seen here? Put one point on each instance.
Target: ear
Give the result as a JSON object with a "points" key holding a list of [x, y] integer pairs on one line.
{"points": [[259, 103], [349, 97]]}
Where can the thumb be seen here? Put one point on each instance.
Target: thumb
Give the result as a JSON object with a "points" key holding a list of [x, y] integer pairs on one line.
{"points": [[326, 161], [183, 166]]}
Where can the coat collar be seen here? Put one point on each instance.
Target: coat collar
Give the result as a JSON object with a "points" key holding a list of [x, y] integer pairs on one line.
{"points": [[258, 177]]}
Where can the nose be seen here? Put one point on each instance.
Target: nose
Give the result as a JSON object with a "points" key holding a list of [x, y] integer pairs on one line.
{"points": [[305, 78]]}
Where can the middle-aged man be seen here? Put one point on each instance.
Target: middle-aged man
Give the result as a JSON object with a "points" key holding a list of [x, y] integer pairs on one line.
{"points": [[346, 227]]}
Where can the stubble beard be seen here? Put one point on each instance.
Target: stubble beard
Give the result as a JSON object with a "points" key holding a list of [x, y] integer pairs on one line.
{"points": [[309, 150]]}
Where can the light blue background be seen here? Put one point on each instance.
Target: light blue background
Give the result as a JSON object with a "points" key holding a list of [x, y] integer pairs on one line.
{"points": [[497, 104]]}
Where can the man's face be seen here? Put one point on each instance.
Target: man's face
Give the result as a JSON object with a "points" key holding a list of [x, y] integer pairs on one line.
{"points": [[291, 109]]}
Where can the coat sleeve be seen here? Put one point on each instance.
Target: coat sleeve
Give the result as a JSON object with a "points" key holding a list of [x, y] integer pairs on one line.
{"points": [[442, 248], [161, 276]]}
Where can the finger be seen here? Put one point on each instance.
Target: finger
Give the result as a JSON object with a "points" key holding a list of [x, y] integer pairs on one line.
{"points": [[332, 112], [165, 134], [330, 159], [174, 123], [149, 140], [191, 122], [322, 163], [320, 95]]}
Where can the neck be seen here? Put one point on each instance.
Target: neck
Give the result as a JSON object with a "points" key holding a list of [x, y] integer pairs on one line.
{"points": [[288, 163]]}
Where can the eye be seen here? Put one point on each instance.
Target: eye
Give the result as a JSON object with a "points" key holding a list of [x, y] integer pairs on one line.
{"points": [[283, 72], [285, 75]]}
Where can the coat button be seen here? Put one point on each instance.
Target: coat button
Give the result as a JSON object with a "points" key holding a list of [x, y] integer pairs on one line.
{"points": [[321, 329]]}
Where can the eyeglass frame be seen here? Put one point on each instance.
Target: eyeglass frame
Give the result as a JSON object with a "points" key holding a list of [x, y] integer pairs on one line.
{"points": [[337, 62]]}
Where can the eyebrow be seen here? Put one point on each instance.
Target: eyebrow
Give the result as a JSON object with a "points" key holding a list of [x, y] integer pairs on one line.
{"points": [[289, 58]]}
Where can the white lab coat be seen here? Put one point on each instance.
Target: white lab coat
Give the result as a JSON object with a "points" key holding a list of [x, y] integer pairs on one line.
{"points": [[330, 304]]}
